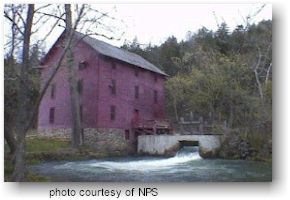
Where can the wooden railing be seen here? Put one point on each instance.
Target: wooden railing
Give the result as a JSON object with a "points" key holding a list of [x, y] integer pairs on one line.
{"points": [[201, 127], [162, 123], [152, 126]]}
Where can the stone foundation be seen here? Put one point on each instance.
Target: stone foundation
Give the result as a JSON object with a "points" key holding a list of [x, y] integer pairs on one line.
{"points": [[108, 141], [58, 133]]}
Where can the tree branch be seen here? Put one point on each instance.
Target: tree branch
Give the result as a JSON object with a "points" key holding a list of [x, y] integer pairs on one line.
{"points": [[268, 73], [51, 15], [41, 7], [257, 75], [13, 22]]}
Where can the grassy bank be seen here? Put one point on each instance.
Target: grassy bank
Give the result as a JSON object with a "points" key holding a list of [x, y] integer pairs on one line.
{"points": [[40, 149], [34, 146]]}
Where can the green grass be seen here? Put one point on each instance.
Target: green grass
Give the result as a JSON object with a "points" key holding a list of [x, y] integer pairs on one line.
{"points": [[41, 149], [35, 148], [38, 144]]}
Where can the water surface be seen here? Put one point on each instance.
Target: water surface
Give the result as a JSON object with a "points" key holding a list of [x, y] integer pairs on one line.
{"points": [[186, 166]]}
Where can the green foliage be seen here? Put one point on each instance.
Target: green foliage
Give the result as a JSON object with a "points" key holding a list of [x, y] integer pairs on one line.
{"points": [[213, 74], [11, 85], [217, 75]]}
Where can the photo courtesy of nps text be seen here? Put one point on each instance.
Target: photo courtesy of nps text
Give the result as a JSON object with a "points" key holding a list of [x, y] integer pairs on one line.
{"points": [[102, 192]]}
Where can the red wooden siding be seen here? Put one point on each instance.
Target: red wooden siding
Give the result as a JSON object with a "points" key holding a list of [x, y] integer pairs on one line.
{"points": [[105, 82]]}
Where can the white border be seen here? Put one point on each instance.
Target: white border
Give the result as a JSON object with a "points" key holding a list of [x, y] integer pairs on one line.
{"points": [[278, 189]]}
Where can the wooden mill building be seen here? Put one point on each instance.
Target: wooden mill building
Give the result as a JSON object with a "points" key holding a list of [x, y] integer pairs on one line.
{"points": [[121, 94]]}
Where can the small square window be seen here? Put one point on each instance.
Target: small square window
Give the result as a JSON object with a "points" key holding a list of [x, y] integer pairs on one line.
{"points": [[155, 96], [82, 65], [52, 91], [136, 92], [114, 66], [113, 86], [136, 72], [51, 115], [113, 112]]}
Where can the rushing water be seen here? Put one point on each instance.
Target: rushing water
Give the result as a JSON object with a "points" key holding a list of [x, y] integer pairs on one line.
{"points": [[186, 166]]}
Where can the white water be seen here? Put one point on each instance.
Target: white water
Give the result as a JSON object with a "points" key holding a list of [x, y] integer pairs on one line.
{"points": [[186, 154], [186, 165], [143, 165]]}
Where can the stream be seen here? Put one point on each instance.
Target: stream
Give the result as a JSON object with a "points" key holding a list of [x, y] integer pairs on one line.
{"points": [[185, 166]]}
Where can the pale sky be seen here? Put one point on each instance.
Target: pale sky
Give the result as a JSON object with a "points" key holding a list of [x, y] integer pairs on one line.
{"points": [[154, 23]]}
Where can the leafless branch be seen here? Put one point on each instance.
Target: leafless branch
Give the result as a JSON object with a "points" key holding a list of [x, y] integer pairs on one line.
{"points": [[50, 31], [6, 15], [39, 19], [257, 75], [51, 15], [268, 73], [41, 7], [54, 71], [20, 17]]}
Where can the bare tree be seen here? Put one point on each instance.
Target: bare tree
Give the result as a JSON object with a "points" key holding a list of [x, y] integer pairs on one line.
{"points": [[73, 84], [31, 25], [263, 55], [23, 101]]}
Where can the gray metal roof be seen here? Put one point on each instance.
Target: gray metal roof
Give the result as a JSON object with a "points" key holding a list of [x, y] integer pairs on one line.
{"points": [[118, 53]]}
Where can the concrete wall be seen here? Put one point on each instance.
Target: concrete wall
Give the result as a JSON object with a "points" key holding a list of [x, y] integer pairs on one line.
{"points": [[169, 144]]}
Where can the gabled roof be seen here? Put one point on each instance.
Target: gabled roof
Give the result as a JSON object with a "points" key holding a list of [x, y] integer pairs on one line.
{"points": [[118, 53]]}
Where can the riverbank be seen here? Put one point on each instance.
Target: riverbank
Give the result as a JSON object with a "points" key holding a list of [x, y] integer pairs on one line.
{"points": [[42, 149], [254, 147]]}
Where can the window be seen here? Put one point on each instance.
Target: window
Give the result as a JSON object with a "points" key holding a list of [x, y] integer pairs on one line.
{"points": [[127, 134], [113, 86], [114, 66], [51, 115], [113, 112], [82, 65], [81, 113], [136, 72], [155, 96], [80, 86], [52, 91], [136, 92], [155, 78]]}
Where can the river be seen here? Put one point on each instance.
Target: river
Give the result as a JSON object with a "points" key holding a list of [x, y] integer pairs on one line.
{"points": [[185, 166]]}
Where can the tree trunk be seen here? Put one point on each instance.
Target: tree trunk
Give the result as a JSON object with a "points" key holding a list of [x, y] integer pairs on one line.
{"points": [[10, 139], [260, 89], [23, 102], [268, 73], [175, 108], [231, 110], [72, 77]]}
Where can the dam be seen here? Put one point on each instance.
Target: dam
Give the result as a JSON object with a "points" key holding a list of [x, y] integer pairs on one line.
{"points": [[168, 145]]}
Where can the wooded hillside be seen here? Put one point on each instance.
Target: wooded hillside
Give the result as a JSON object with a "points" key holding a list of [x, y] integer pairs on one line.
{"points": [[222, 76]]}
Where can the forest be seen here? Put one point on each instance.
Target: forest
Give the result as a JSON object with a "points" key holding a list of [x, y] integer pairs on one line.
{"points": [[223, 76]]}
